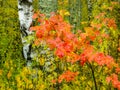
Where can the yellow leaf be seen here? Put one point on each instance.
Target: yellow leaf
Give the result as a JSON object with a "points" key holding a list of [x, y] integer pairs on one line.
{"points": [[42, 61], [9, 75], [67, 13], [64, 13], [89, 30], [30, 86], [90, 83]]}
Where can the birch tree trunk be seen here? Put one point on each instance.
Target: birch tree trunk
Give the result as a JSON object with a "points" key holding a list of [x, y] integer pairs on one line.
{"points": [[25, 11]]}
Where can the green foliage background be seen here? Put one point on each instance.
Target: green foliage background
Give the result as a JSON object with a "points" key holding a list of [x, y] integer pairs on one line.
{"points": [[11, 57], [10, 44]]}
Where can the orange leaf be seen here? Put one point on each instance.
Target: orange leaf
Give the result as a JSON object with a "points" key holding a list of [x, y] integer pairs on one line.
{"points": [[34, 28], [35, 15]]}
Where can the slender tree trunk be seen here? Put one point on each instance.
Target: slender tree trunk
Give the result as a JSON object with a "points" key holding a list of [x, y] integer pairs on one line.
{"points": [[25, 11]]}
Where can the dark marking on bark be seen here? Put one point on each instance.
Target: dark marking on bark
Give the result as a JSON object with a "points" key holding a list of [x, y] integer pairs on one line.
{"points": [[29, 52], [26, 13], [23, 30], [26, 2], [20, 9]]}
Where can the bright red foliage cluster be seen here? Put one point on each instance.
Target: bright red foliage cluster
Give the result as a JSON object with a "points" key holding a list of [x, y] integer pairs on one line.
{"points": [[114, 79], [57, 34], [67, 76]]}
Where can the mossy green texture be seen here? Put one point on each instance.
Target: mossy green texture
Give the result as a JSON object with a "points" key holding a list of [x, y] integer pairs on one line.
{"points": [[11, 58], [10, 41]]}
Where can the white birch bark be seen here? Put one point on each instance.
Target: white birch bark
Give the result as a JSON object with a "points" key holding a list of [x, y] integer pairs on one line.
{"points": [[25, 11]]}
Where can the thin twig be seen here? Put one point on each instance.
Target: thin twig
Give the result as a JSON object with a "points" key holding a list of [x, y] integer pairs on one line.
{"points": [[93, 75]]}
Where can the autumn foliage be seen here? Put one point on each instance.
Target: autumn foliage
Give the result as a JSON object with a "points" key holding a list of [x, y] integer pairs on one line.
{"points": [[72, 48]]}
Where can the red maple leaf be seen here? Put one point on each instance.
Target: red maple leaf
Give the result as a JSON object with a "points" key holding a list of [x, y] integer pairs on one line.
{"points": [[67, 76], [60, 52], [39, 33]]}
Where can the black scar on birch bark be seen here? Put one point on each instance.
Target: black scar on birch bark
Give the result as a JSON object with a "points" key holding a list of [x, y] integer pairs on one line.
{"points": [[27, 2], [29, 52]]}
